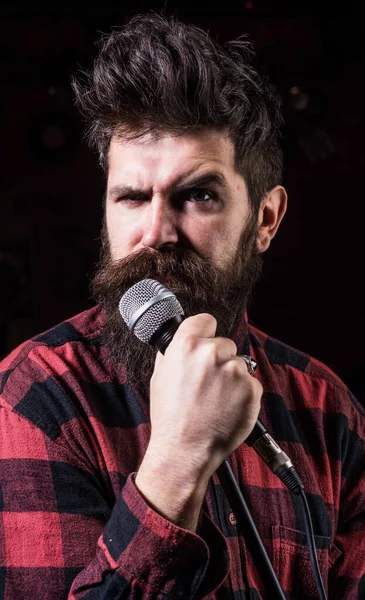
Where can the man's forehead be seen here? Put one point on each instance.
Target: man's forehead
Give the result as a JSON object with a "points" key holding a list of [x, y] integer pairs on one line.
{"points": [[170, 158], [208, 142]]}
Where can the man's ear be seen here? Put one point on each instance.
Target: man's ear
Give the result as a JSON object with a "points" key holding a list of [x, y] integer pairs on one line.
{"points": [[272, 210]]}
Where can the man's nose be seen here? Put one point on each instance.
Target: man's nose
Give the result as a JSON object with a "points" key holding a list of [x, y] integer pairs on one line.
{"points": [[159, 228]]}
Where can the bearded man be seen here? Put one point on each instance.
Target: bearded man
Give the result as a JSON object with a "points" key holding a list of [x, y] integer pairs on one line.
{"points": [[109, 449]]}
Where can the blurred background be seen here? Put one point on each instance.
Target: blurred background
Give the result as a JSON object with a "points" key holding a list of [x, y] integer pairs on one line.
{"points": [[51, 186]]}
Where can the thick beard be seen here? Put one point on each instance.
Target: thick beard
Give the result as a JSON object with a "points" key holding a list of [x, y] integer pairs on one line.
{"points": [[199, 285]]}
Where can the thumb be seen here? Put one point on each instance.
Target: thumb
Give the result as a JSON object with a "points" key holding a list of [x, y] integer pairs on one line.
{"points": [[202, 325]]}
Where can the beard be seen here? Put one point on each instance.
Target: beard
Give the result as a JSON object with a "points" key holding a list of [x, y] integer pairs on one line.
{"points": [[199, 285]]}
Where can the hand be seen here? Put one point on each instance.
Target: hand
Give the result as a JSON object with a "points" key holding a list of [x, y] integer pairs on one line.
{"points": [[204, 403]]}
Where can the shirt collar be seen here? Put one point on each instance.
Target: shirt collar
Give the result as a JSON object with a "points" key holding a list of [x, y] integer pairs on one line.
{"points": [[240, 335]]}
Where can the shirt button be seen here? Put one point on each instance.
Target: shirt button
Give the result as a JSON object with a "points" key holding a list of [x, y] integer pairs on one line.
{"points": [[232, 519]]}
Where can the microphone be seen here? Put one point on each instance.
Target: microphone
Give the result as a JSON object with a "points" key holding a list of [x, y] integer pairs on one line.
{"points": [[153, 314]]}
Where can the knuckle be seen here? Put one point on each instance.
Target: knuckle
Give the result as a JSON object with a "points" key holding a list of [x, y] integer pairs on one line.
{"points": [[254, 384], [189, 342], [212, 350], [234, 347], [232, 368], [256, 389], [260, 389], [218, 350]]}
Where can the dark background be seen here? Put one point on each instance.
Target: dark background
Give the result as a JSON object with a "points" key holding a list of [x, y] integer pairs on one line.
{"points": [[51, 186]]}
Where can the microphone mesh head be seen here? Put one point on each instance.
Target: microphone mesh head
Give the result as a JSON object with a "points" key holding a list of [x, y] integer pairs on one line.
{"points": [[155, 315]]}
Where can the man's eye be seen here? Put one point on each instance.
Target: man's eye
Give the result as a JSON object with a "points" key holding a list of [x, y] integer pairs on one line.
{"points": [[200, 196]]}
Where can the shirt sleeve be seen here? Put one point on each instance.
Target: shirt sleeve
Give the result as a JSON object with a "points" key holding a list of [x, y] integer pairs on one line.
{"points": [[146, 556], [62, 537]]}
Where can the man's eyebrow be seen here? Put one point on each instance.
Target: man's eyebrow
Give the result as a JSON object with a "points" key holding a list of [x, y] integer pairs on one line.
{"points": [[124, 190], [213, 177]]}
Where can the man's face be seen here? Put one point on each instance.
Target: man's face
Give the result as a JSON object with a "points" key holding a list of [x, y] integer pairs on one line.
{"points": [[176, 211], [176, 192]]}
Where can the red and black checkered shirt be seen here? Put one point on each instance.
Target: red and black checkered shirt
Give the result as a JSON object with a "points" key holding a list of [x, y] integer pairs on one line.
{"points": [[73, 524]]}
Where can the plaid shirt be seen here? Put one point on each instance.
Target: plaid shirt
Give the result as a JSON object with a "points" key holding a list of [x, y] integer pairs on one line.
{"points": [[73, 524]]}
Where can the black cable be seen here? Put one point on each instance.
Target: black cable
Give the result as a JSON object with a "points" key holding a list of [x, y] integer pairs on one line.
{"points": [[312, 546], [293, 482], [251, 535]]}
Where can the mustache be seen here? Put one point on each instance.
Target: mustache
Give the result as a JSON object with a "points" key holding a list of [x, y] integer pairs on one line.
{"points": [[179, 269]]}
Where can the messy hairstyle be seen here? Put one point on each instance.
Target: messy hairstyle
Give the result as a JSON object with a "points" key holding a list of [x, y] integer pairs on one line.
{"points": [[157, 75]]}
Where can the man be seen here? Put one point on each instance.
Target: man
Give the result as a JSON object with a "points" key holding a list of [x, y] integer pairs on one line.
{"points": [[108, 449]]}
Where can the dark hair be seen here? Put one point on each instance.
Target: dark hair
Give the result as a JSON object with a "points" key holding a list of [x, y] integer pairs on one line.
{"points": [[158, 75]]}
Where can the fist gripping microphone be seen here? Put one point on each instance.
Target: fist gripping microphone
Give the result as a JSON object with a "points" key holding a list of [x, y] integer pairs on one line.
{"points": [[153, 314]]}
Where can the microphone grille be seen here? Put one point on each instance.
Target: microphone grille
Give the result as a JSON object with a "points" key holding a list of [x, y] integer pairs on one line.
{"points": [[139, 298]]}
